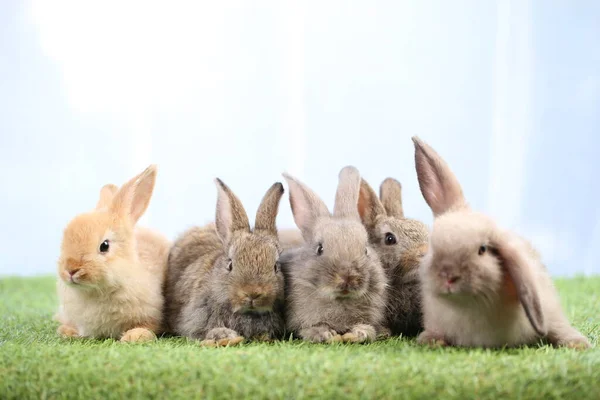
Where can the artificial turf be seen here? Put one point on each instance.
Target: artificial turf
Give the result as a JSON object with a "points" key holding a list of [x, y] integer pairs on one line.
{"points": [[35, 363]]}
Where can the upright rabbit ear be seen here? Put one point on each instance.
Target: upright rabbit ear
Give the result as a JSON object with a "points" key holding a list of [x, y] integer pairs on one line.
{"points": [[390, 193], [522, 277], [438, 184], [369, 206], [307, 207], [107, 193], [266, 215], [133, 198], [231, 216], [346, 197]]}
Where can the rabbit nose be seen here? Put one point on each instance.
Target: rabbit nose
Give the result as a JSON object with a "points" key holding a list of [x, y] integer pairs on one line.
{"points": [[254, 296], [74, 271], [450, 277]]}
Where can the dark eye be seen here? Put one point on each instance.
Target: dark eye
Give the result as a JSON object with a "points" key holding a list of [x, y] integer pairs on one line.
{"points": [[366, 251], [229, 265], [482, 249], [276, 268], [319, 249], [104, 246], [390, 239]]}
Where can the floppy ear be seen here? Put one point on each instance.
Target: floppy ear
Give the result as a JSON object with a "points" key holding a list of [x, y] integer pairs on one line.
{"points": [[439, 186], [107, 193], [346, 196], [307, 207], [133, 198], [369, 206], [521, 274], [390, 193], [266, 215], [231, 216]]}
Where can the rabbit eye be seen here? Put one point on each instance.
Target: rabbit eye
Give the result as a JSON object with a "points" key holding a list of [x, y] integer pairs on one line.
{"points": [[229, 265], [390, 239], [482, 249], [276, 268], [319, 249], [104, 246]]}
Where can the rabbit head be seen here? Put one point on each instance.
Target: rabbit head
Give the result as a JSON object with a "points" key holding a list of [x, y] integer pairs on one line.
{"points": [[339, 259], [99, 247], [470, 260], [249, 275], [390, 233]]}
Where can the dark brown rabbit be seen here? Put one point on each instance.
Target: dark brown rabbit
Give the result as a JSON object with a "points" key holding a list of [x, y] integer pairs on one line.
{"points": [[336, 284], [401, 243], [224, 283]]}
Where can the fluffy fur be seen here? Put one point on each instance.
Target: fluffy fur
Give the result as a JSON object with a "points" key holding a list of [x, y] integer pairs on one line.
{"points": [[336, 286], [290, 238], [224, 282], [114, 293], [400, 243], [482, 286]]}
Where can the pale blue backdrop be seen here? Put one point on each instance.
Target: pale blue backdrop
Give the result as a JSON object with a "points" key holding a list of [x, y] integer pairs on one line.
{"points": [[93, 91]]}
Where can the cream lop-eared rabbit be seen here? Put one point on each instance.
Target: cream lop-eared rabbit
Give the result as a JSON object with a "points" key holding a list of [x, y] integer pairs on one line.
{"points": [[401, 243], [482, 286], [336, 286], [110, 272]]}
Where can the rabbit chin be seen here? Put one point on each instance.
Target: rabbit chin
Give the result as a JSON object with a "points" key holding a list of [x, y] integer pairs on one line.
{"points": [[252, 310]]}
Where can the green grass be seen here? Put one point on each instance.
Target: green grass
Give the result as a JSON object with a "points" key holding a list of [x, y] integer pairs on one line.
{"points": [[35, 363]]}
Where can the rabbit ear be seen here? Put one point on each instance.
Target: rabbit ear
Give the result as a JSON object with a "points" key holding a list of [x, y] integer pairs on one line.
{"points": [[267, 211], [133, 198], [390, 193], [231, 216], [107, 193], [346, 197], [522, 277], [369, 206], [438, 184], [307, 207]]}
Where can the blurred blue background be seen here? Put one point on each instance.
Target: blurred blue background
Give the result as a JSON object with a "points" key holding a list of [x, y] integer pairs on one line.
{"points": [[508, 92]]}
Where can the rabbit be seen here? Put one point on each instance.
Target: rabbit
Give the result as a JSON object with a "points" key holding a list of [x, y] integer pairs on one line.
{"points": [[335, 283], [482, 286], [110, 272], [400, 243], [224, 281]]}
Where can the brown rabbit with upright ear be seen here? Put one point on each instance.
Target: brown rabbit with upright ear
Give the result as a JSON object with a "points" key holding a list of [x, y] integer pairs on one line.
{"points": [[401, 243], [482, 286], [224, 281], [336, 284]]}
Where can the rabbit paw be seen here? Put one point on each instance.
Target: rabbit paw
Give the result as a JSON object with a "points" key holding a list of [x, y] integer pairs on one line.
{"points": [[222, 337], [360, 333], [138, 335], [67, 331], [577, 343], [320, 334], [432, 339]]}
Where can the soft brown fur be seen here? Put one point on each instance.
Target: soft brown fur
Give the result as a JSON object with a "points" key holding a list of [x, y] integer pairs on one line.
{"points": [[339, 293], [117, 293], [384, 218], [207, 301], [482, 286]]}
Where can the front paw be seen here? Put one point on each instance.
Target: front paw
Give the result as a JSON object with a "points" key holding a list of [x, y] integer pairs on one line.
{"points": [[138, 335], [222, 337], [431, 339], [67, 331], [320, 334], [360, 333], [577, 343]]}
